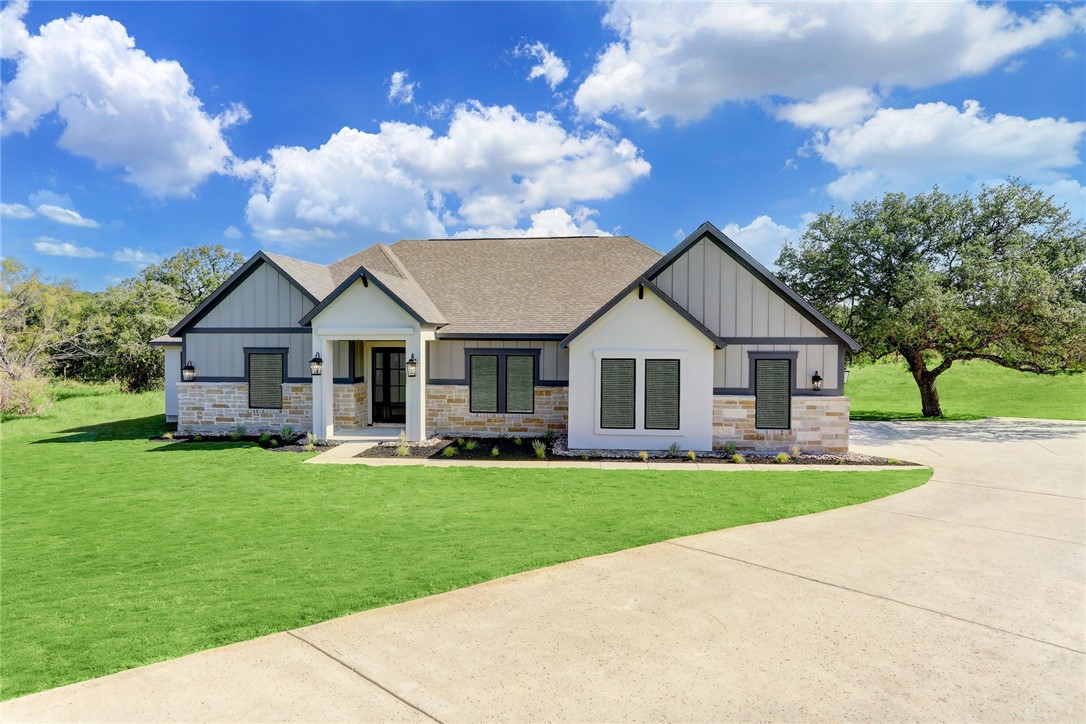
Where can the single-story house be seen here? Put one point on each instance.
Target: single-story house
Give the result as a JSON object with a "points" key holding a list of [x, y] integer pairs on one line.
{"points": [[602, 338]]}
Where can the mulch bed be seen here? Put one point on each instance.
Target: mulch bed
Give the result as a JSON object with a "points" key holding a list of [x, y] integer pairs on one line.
{"points": [[434, 448], [275, 443]]}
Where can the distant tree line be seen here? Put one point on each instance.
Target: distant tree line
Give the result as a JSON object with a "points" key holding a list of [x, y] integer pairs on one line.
{"points": [[49, 329]]}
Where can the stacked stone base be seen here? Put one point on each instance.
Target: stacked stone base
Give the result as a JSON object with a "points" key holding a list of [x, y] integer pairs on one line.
{"points": [[819, 424], [448, 413], [350, 407], [217, 408]]}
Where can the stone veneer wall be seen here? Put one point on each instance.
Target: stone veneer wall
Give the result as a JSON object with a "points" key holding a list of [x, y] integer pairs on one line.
{"points": [[350, 407], [819, 424], [212, 408], [447, 412]]}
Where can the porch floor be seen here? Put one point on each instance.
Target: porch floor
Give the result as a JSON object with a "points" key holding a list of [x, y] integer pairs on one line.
{"points": [[377, 433]]}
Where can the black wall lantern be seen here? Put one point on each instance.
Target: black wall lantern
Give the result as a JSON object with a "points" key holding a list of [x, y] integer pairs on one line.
{"points": [[412, 366], [816, 382], [316, 365], [188, 372]]}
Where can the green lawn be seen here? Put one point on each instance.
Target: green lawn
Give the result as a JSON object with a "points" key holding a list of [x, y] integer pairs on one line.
{"points": [[117, 551], [967, 391]]}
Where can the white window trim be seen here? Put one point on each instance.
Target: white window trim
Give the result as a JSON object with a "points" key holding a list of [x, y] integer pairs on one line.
{"points": [[639, 356]]}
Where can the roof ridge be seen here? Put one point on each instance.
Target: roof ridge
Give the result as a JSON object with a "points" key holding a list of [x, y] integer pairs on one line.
{"points": [[396, 263]]}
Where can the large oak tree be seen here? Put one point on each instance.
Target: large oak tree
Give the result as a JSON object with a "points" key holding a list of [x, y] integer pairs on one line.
{"points": [[938, 278]]}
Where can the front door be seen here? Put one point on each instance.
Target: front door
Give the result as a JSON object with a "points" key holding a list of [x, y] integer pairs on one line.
{"points": [[389, 385]]}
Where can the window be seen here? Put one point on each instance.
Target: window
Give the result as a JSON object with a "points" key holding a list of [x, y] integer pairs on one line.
{"points": [[618, 378], [772, 394], [661, 394], [265, 375], [501, 382]]}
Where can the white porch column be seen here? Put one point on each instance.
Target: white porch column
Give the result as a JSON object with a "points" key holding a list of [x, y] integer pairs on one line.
{"points": [[322, 389], [416, 386]]}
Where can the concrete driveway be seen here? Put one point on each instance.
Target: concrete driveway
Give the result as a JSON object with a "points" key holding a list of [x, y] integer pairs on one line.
{"points": [[962, 599]]}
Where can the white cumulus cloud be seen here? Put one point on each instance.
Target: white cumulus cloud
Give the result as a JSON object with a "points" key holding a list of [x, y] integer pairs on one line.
{"points": [[548, 65], [493, 168], [400, 90], [119, 107], [16, 211], [909, 149], [832, 109], [232, 232], [681, 60], [67, 217], [139, 257], [548, 222], [762, 238], [54, 247]]}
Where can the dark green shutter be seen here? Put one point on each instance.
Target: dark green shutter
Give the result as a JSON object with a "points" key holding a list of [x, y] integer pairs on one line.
{"points": [[520, 383], [484, 383], [773, 394], [617, 395], [661, 394], [266, 380]]}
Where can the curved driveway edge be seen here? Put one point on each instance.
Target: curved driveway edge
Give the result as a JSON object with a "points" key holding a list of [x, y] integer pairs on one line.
{"points": [[961, 599]]}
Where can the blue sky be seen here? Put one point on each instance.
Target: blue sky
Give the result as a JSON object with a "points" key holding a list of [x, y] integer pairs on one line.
{"points": [[131, 130]]}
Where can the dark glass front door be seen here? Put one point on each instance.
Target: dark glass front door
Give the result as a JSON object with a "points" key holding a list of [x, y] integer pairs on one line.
{"points": [[389, 385]]}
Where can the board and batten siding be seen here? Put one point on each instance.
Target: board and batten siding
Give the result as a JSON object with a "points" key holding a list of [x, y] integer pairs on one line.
{"points": [[734, 303], [446, 357], [264, 299]]}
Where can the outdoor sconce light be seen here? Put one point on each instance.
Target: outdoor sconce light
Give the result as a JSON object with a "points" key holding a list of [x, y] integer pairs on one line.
{"points": [[188, 372], [816, 382], [845, 381], [316, 365], [412, 366]]}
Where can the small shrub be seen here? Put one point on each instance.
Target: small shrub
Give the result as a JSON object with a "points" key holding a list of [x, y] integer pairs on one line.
{"points": [[188, 431], [238, 433], [673, 450], [692, 455], [470, 445], [265, 437], [273, 443], [495, 452], [539, 448], [403, 450], [782, 458], [729, 449], [167, 435], [549, 434], [891, 461], [795, 451], [25, 395], [840, 461], [286, 433], [643, 456], [584, 456], [518, 441], [197, 438], [450, 452], [402, 437], [310, 441], [460, 441], [595, 453], [738, 459]]}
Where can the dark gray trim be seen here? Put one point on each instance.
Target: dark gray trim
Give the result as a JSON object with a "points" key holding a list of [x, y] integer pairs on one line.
{"points": [[366, 276], [443, 381], [249, 330], [752, 354], [707, 230], [153, 343], [526, 337], [746, 391], [226, 287], [805, 341], [464, 382], [219, 379], [643, 282], [552, 383], [501, 353]]}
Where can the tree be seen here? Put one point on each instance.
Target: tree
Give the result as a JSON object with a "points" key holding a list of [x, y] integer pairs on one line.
{"points": [[195, 272], [999, 276]]}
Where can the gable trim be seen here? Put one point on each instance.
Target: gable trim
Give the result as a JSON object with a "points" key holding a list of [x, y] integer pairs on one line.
{"points": [[243, 272], [707, 230], [642, 283], [367, 278]]}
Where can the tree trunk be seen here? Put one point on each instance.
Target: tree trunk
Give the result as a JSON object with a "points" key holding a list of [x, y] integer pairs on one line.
{"points": [[925, 380]]}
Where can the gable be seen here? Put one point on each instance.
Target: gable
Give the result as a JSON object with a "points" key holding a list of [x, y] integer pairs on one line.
{"points": [[361, 303], [734, 296]]}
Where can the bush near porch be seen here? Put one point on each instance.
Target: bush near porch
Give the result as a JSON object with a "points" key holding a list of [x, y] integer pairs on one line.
{"points": [[119, 551]]}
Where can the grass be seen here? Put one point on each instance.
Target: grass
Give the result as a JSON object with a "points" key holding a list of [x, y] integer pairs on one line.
{"points": [[117, 551], [967, 391]]}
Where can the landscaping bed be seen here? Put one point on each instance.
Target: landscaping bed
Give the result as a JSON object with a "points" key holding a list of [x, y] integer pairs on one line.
{"points": [[524, 449]]}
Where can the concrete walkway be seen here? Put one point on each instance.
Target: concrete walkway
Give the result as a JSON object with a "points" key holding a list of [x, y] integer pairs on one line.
{"points": [[959, 600]]}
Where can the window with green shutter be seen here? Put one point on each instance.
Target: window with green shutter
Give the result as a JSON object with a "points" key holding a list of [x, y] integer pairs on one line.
{"points": [[661, 394], [265, 380], [483, 383], [773, 394], [618, 380], [520, 383]]}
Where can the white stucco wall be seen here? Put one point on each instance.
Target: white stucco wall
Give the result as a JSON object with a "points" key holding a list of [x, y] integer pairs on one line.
{"points": [[641, 328]]}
